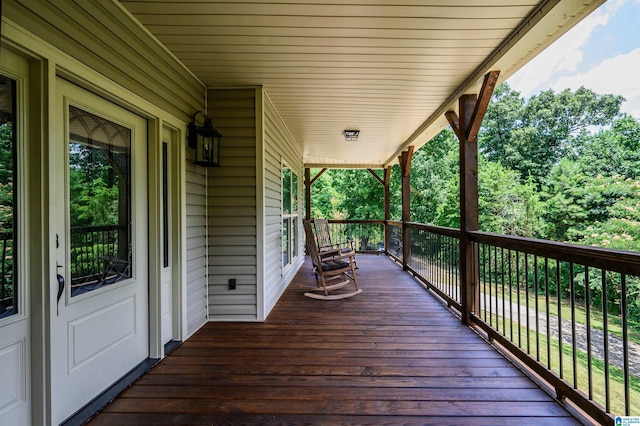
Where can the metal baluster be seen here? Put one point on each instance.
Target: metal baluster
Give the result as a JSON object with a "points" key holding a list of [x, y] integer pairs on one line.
{"points": [[587, 302], [518, 298], [546, 285], [487, 265], [573, 325], [510, 270], [605, 336], [3, 283], [495, 271], [625, 345], [535, 295], [484, 282], [526, 298], [559, 301], [504, 312]]}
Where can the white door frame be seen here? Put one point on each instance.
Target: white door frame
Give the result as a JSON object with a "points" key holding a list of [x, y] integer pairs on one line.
{"points": [[15, 331], [160, 132], [98, 336], [157, 120], [45, 63]]}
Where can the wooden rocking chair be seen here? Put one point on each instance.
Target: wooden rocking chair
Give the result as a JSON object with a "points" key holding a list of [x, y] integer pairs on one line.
{"points": [[323, 238], [330, 266]]}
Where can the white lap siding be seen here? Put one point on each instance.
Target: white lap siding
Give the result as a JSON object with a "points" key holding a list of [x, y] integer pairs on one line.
{"points": [[244, 215], [231, 201], [196, 240], [279, 147]]}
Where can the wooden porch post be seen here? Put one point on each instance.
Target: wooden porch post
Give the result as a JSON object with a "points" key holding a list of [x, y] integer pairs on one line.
{"points": [[387, 206], [307, 186], [405, 168], [471, 109], [468, 208]]}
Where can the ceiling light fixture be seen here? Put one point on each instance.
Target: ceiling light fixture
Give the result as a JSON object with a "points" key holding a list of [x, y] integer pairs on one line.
{"points": [[351, 135]]}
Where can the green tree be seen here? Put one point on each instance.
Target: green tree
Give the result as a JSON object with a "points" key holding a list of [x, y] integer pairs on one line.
{"points": [[502, 119], [547, 128], [505, 205], [362, 195], [432, 167], [564, 195], [619, 226], [612, 151], [324, 197], [94, 179], [6, 176]]}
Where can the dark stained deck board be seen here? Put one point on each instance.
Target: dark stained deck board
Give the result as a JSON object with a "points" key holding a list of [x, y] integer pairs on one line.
{"points": [[391, 355]]}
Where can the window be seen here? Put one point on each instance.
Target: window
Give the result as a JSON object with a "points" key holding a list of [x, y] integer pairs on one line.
{"points": [[165, 205], [289, 216], [8, 198]]}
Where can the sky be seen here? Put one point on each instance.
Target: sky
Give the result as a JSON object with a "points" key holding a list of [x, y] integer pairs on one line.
{"points": [[601, 53]]}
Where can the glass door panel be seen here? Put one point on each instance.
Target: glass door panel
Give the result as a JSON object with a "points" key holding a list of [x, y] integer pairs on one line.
{"points": [[99, 201], [8, 199]]}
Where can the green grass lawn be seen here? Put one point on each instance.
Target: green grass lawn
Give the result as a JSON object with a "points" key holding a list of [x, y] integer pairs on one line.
{"points": [[614, 321], [549, 355], [547, 350]]}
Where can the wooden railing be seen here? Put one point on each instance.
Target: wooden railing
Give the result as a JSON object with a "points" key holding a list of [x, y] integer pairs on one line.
{"points": [[367, 236], [92, 248], [435, 260], [394, 241], [569, 314]]}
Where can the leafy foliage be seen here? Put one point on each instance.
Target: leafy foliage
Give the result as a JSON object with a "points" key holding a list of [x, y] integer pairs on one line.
{"points": [[558, 166], [561, 166], [6, 176], [532, 136]]}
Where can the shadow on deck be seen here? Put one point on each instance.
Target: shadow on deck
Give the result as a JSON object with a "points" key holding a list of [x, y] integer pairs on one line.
{"points": [[391, 355]]}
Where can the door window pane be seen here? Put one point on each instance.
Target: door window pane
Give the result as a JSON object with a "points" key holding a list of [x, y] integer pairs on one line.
{"points": [[165, 205], [99, 201], [8, 198]]}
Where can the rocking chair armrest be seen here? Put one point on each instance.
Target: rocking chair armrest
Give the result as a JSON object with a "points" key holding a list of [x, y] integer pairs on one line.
{"points": [[330, 252], [341, 255]]}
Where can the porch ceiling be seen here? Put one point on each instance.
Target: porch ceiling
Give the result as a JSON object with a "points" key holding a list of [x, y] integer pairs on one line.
{"points": [[389, 69]]}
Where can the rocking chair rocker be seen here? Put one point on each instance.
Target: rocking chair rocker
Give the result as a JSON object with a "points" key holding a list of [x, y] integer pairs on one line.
{"points": [[328, 266]]}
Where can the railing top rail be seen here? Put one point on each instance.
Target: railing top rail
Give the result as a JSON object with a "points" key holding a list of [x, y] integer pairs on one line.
{"points": [[626, 262], [358, 221], [449, 232], [394, 223], [97, 228]]}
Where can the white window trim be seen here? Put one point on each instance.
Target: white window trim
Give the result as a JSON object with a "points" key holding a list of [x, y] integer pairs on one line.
{"points": [[293, 218]]}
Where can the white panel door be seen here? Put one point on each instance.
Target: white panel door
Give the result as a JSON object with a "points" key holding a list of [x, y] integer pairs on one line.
{"points": [[15, 399], [100, 226]]}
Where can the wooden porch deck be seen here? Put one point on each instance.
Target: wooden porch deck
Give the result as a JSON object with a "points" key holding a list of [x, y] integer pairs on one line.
{"points": [[391, 355]]}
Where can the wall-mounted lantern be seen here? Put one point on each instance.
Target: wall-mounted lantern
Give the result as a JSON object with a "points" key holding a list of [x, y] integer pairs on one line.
{"points": [[205, 140]]}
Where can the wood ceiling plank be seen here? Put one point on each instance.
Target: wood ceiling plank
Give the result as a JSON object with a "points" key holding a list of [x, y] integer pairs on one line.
{"points": [[442, 34], [383, 67], [333, 22], [329, 42]]}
